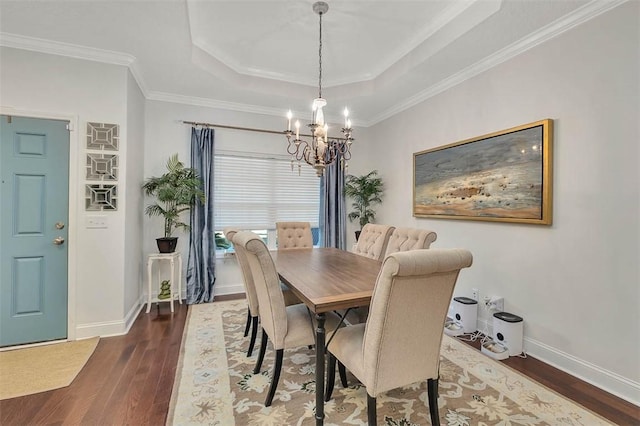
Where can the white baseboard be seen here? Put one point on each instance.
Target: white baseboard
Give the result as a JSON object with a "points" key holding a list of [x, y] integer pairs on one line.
{"points": [[131, 316], [102, 329], [111, 328], [223, 290], [590, 373]]}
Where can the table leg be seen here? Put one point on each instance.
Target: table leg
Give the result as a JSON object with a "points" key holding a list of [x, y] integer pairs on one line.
{"points": [[149, 279], [320, 341]]}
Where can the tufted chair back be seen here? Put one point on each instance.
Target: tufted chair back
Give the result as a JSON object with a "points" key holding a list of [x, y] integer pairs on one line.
{"points": [[373, 241], [294, 235], [405, 239]]}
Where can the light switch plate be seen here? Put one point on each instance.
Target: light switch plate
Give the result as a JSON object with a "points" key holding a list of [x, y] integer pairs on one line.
{"points": [[96, 222]]}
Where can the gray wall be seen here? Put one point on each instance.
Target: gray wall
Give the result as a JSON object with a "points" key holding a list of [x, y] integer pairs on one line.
{"points": [[134, 163], [576, 283]]}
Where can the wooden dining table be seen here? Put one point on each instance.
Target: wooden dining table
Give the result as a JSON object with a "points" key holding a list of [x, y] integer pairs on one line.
{"points": [[326, 279]]}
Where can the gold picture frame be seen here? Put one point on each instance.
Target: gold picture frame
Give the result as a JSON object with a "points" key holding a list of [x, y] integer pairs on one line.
{"points": [[505, 176]]}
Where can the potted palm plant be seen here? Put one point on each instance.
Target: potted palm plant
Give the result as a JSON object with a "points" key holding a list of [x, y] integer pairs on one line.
{"points": [[366, 191], [176, 192]]}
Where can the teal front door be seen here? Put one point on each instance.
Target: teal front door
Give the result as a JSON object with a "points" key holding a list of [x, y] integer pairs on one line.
{"points": [[34, 212]]}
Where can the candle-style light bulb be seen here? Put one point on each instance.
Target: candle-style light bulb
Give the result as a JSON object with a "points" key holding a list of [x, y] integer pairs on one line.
{"points": [[348, 124], [289, 117], [346, 117], [297, 129]]}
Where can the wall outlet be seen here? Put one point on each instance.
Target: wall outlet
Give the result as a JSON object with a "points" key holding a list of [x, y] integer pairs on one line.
{"points": [[494, 303], [474, 294]]}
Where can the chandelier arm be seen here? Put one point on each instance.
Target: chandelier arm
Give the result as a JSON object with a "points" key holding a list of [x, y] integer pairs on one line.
{"points": [[343, 147], [300, 148], [307, 153]]}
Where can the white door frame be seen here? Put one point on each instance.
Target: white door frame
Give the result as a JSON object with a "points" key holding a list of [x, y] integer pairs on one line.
{"points": [[74, 152]]}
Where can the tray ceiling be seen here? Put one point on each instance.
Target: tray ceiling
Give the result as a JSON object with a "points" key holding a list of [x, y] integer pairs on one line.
{"points": [[379, 57]]}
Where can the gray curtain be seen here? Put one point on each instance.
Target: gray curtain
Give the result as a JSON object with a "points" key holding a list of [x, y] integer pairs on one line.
{"points": [[202, 245], [333, 211]]}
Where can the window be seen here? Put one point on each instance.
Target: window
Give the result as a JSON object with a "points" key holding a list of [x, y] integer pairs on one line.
{"points": [[254, 193]]}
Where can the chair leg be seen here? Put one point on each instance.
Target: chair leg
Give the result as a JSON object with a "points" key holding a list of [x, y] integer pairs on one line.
{"points": [[254, 332], [331, 376], [343, 375], [263, 349], [246, 327], [432, 390], [371, 411], [277, 366]]}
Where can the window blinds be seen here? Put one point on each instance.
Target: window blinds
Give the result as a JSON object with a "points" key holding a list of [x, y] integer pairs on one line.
{"points": [[255, 193]]}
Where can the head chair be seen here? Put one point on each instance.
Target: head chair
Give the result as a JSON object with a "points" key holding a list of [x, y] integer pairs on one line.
{"points": [[293, 235]]}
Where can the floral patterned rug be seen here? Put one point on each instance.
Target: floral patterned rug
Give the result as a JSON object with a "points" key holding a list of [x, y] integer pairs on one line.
{"points": [[215, 386]]}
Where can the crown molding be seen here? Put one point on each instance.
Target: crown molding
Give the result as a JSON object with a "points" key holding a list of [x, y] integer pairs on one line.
{"points": [[137, 75], [213, 103], [65, 49], [554, 29], [75, 51]]}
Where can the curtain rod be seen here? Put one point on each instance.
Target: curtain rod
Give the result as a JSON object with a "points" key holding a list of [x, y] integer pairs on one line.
{"points": [[248, 129]]}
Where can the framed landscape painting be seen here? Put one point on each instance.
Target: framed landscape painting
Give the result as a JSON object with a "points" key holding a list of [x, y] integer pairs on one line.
{"points": [[504, 176]]}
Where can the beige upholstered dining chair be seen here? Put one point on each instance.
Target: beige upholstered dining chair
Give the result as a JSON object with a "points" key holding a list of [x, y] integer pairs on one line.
{"points": [[250, 291], [405, 239], [286, 326], [390, 350], [373, 241], [293, 235]]}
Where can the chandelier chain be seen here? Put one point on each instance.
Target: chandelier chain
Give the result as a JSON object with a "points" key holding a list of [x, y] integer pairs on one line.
{"points": [[320, 59]]}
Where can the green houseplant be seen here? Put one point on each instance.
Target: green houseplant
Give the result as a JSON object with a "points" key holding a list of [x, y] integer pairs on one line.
{"points": [[366, 192], [176, 192]]}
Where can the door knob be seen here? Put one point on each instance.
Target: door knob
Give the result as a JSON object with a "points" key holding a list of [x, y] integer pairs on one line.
{"points": [[59, 225], [58, 241]]}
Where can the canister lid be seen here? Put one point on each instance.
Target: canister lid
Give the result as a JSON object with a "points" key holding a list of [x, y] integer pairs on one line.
{"points": [[506, 316], [465, 300]]}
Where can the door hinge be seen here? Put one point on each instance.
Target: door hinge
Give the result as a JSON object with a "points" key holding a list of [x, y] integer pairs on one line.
{"points": [[69, 127]]}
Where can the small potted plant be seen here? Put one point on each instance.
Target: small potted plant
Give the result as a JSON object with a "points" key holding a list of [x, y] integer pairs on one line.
{"points": [[366, 191], [176, 192]]}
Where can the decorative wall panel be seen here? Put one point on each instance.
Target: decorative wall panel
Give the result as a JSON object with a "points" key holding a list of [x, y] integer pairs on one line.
{"points": [[101, 197], [103, 136], [102, 167]]}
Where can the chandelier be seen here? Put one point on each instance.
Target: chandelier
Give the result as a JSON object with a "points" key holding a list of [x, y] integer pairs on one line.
{"points": [[319, 149]]}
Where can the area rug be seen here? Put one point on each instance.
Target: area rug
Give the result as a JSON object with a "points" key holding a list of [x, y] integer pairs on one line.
{"points": [[42, 368], [215, 386]]}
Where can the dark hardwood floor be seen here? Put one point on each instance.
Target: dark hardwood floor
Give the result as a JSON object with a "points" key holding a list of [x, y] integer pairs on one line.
{"points": [[128, 381]]}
